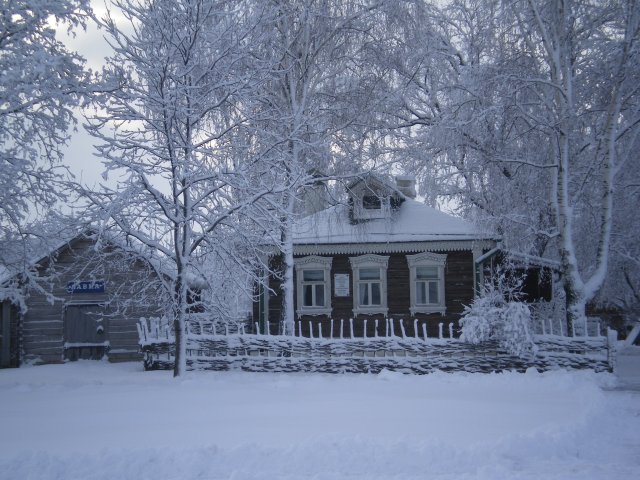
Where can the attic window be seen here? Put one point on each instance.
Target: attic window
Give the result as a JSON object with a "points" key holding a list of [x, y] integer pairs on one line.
{"points": [[371, 202]]}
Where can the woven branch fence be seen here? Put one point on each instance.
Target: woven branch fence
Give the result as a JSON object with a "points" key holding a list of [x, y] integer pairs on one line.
{"points": [[211, 347]]}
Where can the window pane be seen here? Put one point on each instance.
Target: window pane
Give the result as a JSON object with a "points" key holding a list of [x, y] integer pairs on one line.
{"points": [[371, 202], [426, 273], [319, 295], [307, 297], [433, 292], [421, 293], [375, 293], [313, 275], [363, 294], [369, 274]]}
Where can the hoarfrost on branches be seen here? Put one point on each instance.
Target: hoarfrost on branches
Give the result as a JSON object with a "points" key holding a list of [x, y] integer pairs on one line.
{"points": [[41, 82], [492, 317]]}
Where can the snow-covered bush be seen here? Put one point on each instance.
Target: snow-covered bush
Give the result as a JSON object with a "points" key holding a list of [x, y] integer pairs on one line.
{"points": [[480, 319], [491, 317], [516, 334]]}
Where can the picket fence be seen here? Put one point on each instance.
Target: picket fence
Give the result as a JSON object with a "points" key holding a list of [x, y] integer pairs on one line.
{"points": [[212, 346]]}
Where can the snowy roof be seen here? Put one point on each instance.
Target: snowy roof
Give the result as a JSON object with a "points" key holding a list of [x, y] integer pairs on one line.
{"points": [[523, 258], [412, 222]]}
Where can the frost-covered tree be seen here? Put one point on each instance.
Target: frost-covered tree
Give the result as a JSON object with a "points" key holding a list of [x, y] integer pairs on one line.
{"points": [[168, 134], [535, 124], [41, 82], [315, 105]]}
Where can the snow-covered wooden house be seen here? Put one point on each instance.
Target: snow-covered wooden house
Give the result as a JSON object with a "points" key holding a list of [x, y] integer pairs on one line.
{"points": [[380, 255], [85, 305]]}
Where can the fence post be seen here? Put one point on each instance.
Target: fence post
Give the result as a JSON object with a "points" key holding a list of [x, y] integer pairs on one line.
{"points": [[586, 327], [310, 330], [364, 334], [393, 329], [375, 333], [331, 332], [573, 329], [612, 339], [440, 325], [424, 330], [341, 328], [451, 330], [351, 326], [415, 328], [402, 328]]}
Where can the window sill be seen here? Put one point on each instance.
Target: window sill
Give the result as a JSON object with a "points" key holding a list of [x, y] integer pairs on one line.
{"points": [[441, 309], [370, 311], [313, 311]]}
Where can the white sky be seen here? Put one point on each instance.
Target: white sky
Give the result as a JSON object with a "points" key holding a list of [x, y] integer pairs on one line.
{"points": [[94, 48]]}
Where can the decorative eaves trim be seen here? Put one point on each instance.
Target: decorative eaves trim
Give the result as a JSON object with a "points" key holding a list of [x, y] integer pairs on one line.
{"points": [[399, 247]]}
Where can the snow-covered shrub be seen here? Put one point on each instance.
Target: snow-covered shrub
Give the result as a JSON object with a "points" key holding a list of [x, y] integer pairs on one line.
{"points": [[479, 320], [516, 334], [491, 317]]}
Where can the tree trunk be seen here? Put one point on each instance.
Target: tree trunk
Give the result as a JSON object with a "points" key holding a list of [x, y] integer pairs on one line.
{"points": [[288, 314], [180, 366]]}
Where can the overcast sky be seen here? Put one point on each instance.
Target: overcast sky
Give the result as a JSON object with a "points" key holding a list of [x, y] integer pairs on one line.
{"points": [[93, 47]]}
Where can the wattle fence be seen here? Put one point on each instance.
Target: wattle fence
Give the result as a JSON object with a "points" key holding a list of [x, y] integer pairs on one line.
{"points": [[228, 347]]}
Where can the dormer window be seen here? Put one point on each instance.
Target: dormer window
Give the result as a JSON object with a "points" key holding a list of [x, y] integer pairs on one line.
{"points": [[372, 198], [372, 206], [371, 202]]}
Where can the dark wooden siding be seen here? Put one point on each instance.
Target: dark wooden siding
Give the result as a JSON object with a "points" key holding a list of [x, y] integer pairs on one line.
{"points": [[458, 293], [43, 323], [9, 335]]}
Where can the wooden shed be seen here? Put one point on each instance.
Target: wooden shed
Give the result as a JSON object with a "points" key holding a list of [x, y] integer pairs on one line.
{"points": [[86, 307]]}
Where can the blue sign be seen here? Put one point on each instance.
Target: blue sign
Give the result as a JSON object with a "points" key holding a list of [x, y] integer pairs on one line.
{"points": [[93, 286]]}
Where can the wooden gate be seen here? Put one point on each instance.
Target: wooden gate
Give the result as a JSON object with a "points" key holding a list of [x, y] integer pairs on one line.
{"points": [[85, 331]]}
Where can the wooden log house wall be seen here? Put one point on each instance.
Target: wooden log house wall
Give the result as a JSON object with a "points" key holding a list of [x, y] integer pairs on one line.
{"points": [[459, 292]]}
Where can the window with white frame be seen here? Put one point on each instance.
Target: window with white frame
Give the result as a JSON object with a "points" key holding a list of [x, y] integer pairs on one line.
{"points": [[427, 282], [313, 285], [369, 284]]}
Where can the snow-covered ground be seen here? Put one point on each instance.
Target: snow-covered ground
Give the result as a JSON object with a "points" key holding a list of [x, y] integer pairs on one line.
{"points": [[94, 420]]}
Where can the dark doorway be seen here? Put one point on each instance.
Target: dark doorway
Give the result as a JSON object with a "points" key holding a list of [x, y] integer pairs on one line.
{"points": [[86, 330]]}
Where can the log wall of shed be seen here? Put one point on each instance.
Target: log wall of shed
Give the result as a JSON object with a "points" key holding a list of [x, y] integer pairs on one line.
{"points": [[43, 322]]}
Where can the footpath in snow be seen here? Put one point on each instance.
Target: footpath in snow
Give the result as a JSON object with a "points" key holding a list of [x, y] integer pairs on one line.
{"points": [[94, 420]]}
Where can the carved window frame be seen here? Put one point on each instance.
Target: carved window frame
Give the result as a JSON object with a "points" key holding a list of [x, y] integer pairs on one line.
{"points": [[313, 262], [370, 261], [427, 259]]}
